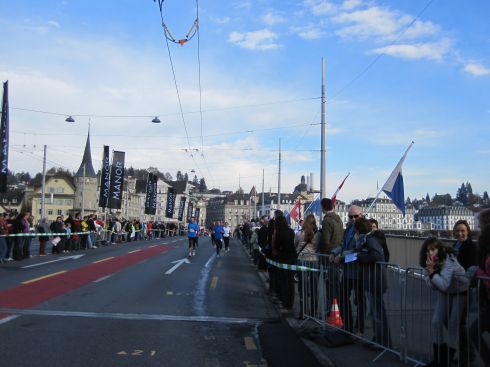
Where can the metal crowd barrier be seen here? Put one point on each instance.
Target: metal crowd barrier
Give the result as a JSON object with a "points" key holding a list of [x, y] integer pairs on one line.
{"points": [[393, 309]]}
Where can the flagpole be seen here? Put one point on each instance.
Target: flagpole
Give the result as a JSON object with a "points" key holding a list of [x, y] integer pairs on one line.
{"points": [[263, 194], [322, 160], [380, 190]]}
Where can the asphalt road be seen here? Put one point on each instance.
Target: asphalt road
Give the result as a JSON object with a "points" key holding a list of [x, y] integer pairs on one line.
{"points": [[134, 304]]}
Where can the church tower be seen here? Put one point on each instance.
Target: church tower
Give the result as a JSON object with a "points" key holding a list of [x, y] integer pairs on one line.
{"points": [[86, 183]]}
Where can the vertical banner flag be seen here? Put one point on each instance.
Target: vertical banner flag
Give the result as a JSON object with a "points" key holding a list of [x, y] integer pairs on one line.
{"points": [[181, 208], [334, 196], [190, 212], [105, 178], [169, 212], [149, 193], [295, 213], [154, 199], [196, 214], [117, 180], [393, 187], [4, 139]]}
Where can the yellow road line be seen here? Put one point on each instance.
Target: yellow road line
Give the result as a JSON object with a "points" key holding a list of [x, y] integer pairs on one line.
{"points": [[131, 252], [44, 277], [99, 261], [250, 343], [214, 283]]}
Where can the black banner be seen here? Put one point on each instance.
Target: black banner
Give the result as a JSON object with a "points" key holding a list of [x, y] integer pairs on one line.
{"points": [[196, 214], [117, 180], [105, 178], [149, 193], [4, 139], [169, 213], [154, 200], [190, 212], [181, 208]]}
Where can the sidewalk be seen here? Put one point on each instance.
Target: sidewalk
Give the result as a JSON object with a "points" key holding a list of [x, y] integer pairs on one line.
{"points": [[318, 339]]}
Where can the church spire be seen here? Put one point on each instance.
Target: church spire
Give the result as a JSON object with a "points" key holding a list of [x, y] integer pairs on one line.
{"points": [[87, 161]]}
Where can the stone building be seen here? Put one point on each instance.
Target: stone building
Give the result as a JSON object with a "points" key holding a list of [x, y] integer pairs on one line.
{"points": [[444, 217], [86, 184]]}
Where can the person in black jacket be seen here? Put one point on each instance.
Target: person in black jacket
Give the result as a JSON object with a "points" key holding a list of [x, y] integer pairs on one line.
{"points": [[466, 250], [286, 254], [262, 240], [380, 236]]}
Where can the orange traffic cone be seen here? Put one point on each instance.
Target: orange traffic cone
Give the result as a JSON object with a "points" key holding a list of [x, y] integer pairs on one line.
{"points": [[334, 318]]}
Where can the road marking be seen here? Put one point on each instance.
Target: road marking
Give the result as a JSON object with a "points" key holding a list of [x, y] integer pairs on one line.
{"points": [[8, 318], [177, 264], [103, 278], [214, 283], [250, 343], [99, 261], [44, 277], [169, 293], [132, 252], [209, 261], [153, 246], [74, 257], [133, 316]]}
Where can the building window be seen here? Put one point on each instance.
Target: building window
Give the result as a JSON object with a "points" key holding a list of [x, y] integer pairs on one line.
{"points": [[14, 201], [4, 201], [60, 190], [51, 190], [60, 212], [50, 212]]}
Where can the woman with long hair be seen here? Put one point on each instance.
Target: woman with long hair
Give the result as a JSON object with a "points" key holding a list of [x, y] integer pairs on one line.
{"points": [[445, 275], [306, 244], [466, 250]]}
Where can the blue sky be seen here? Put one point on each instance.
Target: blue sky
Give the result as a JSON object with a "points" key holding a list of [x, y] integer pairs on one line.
{"points": [[390, 78]]}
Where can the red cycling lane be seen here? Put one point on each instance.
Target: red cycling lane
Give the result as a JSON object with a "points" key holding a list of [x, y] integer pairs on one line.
{"points": [[32, 294]]}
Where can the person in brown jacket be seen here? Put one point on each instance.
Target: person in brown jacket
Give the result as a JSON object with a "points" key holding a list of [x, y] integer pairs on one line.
{"points": [[332, 228]]}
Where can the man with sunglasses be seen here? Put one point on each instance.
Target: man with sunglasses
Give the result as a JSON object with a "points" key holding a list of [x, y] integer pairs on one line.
{"points": [[351, 277]]}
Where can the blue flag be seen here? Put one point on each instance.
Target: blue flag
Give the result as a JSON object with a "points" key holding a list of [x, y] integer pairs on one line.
{"points": [[393, 187]]}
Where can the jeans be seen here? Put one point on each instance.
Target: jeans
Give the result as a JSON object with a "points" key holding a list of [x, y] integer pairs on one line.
{"points": [[3, 248]]}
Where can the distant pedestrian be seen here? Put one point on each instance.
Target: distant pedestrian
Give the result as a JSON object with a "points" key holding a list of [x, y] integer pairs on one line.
{"points": [[226, 236], [192, 233]]}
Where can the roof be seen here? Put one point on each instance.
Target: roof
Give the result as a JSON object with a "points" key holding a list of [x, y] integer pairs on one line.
{"points": [[179, 186], [13, 194], [86, 162]]}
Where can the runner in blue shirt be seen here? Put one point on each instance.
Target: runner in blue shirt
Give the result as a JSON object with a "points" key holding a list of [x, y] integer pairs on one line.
{"points": [[218, 235], [192, 233]]}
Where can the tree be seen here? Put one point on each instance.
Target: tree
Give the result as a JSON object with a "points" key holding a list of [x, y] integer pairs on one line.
{"points": [[168, 176], [202, 185], [462, 194], [37, 180], [485, 196], [186, 177], [195, 180], [179, 176], [130, 171]]}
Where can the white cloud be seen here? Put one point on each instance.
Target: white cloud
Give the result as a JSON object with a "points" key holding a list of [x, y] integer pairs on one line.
{"points": [[351, 4], [476, 69], [320, 7], [54, 24], [309, 32], [263, 39], [223, 20], [243, 5], [382, 24], [272, 18], [435, 51]]}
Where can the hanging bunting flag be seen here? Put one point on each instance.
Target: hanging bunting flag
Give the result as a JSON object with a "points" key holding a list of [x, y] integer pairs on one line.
{"points": [[117, 180], [4, 139], [105, 178]]}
